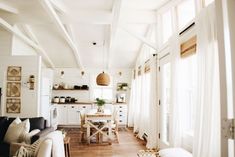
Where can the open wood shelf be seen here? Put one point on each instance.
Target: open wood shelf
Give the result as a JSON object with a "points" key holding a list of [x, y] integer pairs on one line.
{"points": [[70, 89]]}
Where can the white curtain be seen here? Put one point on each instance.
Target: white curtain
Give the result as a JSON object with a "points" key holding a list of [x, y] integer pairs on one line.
{"points": [[207, 125], [152, 109], [176, 91], [142, 111], [132, 103]]}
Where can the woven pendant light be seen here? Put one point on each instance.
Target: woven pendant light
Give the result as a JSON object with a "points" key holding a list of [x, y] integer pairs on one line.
{"points": [[103, 79]]}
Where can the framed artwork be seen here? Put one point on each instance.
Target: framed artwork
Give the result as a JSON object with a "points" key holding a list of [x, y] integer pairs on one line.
{"points": [[14, 73], [13, 105], [13, 89]]}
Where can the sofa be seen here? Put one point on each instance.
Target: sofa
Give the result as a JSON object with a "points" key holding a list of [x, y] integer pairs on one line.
{"points": [[51, 145], [35, 123]]}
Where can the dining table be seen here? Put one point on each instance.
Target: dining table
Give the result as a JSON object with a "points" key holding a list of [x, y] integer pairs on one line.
{"points": [[104, 118]]}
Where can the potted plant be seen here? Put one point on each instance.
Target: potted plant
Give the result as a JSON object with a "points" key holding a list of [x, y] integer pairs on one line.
{"points": [[100, 103]]}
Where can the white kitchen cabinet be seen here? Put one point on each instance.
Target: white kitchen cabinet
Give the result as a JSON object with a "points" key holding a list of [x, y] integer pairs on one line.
{"points": [[122, 112], [70, 114], [62, 114], [73, 116]]}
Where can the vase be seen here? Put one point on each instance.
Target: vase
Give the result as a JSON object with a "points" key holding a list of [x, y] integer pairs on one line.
{"points": [[100, 109]]}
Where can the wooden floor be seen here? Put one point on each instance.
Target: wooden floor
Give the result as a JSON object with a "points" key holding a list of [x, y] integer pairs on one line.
{"points": [[128, 146]]}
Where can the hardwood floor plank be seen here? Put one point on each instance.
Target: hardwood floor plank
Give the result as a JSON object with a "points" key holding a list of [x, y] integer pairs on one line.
{"points": [[128, 145]]}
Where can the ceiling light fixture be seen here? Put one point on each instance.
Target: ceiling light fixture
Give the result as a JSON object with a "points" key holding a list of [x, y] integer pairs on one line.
{"points": [[103, 78]]}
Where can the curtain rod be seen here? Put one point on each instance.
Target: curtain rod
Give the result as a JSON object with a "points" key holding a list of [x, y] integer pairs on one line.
{"points": [[191, 25]]}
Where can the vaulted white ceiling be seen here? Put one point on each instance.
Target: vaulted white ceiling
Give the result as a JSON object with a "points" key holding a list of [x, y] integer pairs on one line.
{"points": [[84, 33]]}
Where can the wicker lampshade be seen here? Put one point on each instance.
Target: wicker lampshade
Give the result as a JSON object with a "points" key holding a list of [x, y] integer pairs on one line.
{"points": [[103, 79]]}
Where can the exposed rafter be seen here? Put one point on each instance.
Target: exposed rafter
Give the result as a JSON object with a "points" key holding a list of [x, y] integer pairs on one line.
{"points": [[19, 34], [58, 6], [8, 8], [49, 8], [28, 30], [147, 35], [116, 11], [70, 31], [142, 39]]}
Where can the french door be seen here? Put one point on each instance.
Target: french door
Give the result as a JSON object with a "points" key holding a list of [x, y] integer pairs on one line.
{"points": [[164, 102]]}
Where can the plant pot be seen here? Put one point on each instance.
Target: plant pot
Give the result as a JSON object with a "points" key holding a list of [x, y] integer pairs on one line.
{"points": [[100, 109]]}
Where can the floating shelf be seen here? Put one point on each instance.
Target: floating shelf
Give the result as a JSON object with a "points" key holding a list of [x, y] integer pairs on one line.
{"points": [[70, 89]]}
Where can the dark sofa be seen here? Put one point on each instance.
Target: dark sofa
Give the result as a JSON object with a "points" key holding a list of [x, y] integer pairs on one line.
{"points": [[35, 123]]}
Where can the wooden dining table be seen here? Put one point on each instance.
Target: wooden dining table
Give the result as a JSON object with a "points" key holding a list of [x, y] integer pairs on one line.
{"points": [[105, 118]]}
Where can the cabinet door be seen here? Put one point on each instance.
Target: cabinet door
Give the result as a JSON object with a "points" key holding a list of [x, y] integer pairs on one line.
{"points": [[84, 108], [62, 114], [73, 115], [122, 114]]}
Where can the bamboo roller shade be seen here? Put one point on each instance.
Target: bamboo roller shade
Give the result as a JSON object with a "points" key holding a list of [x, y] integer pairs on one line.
{"points": [[139, 70], [189, 47], [147, 66]]}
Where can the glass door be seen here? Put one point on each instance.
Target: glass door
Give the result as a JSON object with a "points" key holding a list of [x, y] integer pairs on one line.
{"points": [[165, 85]]}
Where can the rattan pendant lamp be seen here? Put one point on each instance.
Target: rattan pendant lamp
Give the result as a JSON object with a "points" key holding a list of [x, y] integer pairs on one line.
{"points": [[103, 78]]}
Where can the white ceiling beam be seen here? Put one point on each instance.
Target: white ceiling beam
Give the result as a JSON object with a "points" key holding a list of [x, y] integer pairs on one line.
{"points": [[28, 30], [58, 6], [19, 34], [49, 8], [147, 35], [70, 30], [8, 8], [141, 38], [116, 11]]}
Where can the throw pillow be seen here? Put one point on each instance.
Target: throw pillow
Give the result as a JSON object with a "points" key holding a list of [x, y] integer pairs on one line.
{"points": [[16, 129], [26, 137], [23, 152], [29, 150]]}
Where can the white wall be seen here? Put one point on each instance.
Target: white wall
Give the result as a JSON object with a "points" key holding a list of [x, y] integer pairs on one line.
{"points": [[20, 48], [31, 65], [73, 76], [5, 42]]}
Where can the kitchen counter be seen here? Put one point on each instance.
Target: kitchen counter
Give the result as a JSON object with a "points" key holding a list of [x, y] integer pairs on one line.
{"points": [[89, 103], [75, 103]]}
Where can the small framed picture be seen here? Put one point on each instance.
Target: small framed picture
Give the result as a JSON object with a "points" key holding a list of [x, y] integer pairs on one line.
{"points": [[13, 89], [14, 73], [13, 105]]}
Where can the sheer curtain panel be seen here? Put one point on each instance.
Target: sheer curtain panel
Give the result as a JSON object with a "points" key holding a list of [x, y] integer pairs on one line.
{"points": [[143, 107], [207, 124]]}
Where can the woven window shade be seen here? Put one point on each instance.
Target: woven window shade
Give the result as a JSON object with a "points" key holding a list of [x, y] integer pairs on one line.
{"points": [[139, 70], [147, 66], [189, 47], [134, 74]]}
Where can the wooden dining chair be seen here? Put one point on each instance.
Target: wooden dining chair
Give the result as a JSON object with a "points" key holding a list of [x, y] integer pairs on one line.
{"points": [[84, 127], [115, 124]]}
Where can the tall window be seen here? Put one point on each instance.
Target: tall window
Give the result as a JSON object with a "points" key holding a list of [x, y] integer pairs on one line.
{"points": [[166, 26], [103, 92], [186, 12]]}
